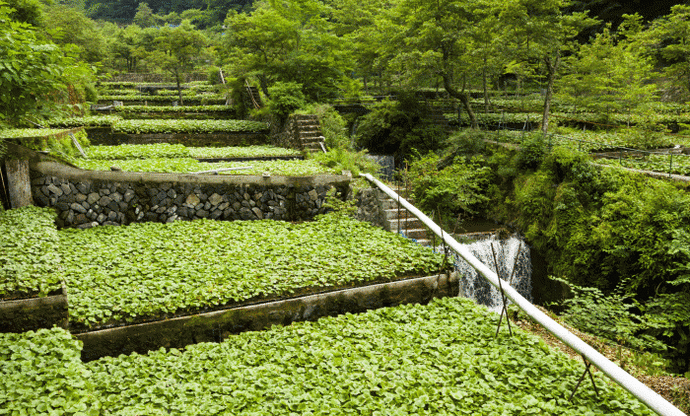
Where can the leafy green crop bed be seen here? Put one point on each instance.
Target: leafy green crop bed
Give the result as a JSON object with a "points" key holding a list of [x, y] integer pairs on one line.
{"points": [[676, 164], [87, 121], [188, 165], [172, 109], [156, 270], [166, 150], [439, 359], [29, 259], [188, 126], [41, 373]]}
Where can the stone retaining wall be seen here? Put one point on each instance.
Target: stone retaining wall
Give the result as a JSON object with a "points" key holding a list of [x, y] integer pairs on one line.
{"points": [[85, 199], [369, 207]]}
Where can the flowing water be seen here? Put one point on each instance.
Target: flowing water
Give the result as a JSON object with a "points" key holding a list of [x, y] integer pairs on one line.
{"points": [[511, 253]]}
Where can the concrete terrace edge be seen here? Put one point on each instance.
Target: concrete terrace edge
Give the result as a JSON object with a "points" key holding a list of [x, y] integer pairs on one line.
{"points": [[69, 172], [218, 325]]}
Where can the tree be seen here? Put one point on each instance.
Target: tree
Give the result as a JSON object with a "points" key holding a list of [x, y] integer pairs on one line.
{"points": [[291, 42], [144, 16], [668, 40], [541, 33], [69, 26], [435, 42], [33, 71], [608, 74], [179, 50]]}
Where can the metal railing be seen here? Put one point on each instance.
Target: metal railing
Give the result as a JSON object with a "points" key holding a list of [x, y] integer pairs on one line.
{"points": [[617, 374]]}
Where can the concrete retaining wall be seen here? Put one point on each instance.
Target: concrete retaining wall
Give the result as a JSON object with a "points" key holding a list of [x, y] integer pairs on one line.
{"points": [[216, 326], [21, 315]]}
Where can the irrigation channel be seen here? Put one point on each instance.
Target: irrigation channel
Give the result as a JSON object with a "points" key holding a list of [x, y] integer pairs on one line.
{"points": [[508, 293]]}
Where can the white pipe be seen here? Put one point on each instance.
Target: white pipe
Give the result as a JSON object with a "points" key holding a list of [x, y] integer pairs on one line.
{"points": [[620, 376]]}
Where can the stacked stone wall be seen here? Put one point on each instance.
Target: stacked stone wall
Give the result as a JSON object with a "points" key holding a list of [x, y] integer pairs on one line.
{"points": [[84, 199]]}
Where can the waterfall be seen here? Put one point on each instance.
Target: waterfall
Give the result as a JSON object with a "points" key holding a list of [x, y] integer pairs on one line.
{"points": [[511, 252]]}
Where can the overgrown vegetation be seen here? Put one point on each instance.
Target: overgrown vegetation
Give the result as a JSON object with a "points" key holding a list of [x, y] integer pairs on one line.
{"points": [[622, 237]]}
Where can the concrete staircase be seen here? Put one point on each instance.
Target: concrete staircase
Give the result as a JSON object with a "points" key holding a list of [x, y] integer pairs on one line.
{"points": [[399, 220], [308, 132]]}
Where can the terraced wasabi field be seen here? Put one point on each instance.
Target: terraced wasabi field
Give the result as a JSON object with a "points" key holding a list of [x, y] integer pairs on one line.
{"points": [[439, 359]]}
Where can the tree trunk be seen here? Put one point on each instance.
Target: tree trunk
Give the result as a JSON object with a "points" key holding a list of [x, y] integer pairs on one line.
{"points": [[486, 92], [447, 74], [179, 86], [463, 97], [551, 67], [263, 83]]}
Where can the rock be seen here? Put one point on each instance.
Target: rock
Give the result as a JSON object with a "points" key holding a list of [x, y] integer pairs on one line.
{"points": [[202, 213], [172, 194], [92, 198], [104, 191], [128, 195], [215, 199], [216, 214], [80, 198], [83, 188], [192, 199], [258, 213], [116, 169], [66, 189], [52, 189], [101, 218], [104, 201], [223, 206], [112, 216], [78, 208], [87, 225], [116, 196]]}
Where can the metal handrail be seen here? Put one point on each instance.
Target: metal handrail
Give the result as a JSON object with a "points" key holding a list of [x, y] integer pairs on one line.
{"points": [[643, 393]]}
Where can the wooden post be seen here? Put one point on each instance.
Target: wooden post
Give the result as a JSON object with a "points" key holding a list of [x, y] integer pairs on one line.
{"points": [[18, 183]]}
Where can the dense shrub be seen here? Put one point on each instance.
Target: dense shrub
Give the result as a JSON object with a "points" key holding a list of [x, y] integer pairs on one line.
{"points": [[397, 128]]}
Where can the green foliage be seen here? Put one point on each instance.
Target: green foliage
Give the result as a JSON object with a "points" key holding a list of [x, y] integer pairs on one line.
{"points": [[188, 126], [56, 141], [41, 373], [168, 151], [189, 165], [34, 72], [285, 97], [340, 159], [152, 269], [28, 253], [458, 189], [400, 127], [605, 229], [610, 317], [87, 121], [532, 152], [396, 361]]}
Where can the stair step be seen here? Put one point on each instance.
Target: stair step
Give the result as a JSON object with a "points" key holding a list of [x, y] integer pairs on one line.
{"points": [[310, 135], [418, 233], [318, 139]]}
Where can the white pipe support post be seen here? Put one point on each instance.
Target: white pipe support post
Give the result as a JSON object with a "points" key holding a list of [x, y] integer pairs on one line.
{"points": [[643, 393]]}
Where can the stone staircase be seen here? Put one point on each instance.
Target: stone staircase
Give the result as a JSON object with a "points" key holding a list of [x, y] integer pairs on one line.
{"points": [[308, 133], [399, 220]]}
